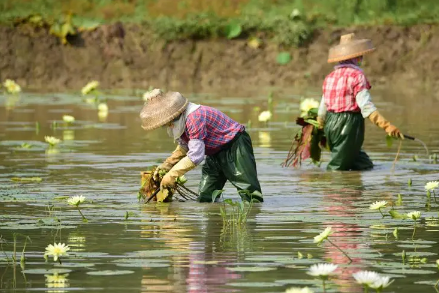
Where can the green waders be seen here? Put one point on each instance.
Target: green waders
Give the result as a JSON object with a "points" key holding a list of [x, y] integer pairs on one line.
{"points": [[235, 163], [345, 135]]}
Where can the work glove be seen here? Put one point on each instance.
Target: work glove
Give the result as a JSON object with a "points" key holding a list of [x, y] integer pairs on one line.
{"points": [[169, 180], [321, 122], [167, 165], [382, 123]]}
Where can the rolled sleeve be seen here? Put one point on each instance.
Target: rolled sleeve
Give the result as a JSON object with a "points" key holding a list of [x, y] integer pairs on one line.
{"points": [[196, 151], [364, 101]]}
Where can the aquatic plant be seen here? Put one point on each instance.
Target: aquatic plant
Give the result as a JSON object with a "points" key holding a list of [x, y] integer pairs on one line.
{"points": [[102, 111], [181, 180], [430, 187], [378, 205], [68, 119], [264, 116], [372, 280], [76, 201], [56, 250], [299, 290], [319, 239], [11, 86], [56, 278], [234, 214], [151, 94], [414, 216], [90, 88], [52, 141], [322, 271], [395, 233], [307, 105]]}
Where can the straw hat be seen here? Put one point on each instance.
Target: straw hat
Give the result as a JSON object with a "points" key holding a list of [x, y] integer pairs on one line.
{"points": [[161, 108], [349, 48]]}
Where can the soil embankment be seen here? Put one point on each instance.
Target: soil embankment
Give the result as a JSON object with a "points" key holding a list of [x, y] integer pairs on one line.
{"points": [[127, 57]]}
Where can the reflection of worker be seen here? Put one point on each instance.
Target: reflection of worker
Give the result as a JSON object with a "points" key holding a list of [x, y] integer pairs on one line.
{"points": [[199, 131], [345, 103]]}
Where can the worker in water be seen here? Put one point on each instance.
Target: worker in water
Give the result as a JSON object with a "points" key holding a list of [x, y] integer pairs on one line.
{"points": [[201, 130], [345, 103]]}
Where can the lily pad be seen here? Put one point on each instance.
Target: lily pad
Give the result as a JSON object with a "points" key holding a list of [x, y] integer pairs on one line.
{"points": [[410, 272], [74, 265], [46, 271], [140, 263], [255, 284], [109, 273], [251, 269]]}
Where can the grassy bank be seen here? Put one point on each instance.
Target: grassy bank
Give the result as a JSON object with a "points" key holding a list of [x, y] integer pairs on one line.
{"points": [[287, 22]]}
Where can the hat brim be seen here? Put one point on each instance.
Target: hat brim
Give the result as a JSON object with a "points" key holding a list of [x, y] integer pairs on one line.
{"points": [[350, 56], [166, 120]]}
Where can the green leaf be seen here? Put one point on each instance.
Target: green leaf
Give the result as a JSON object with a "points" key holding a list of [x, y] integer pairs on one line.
{"points": [[283, 58], [389, 141], [229, 202], [216, 193], [395, 215], [27, 179], [233, 30]]}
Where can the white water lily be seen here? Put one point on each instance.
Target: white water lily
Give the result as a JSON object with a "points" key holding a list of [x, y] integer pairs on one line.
{"points": [[324, 235], [414, 215], [431, 185], [11, 86], [152, 94], [89, 87], [378, 205], [76, 200], [299, 290], [437, 263], [264, 116], [366, 277], [68, 118], [103, 107], [322, 269], [56, 250], [307, 105], [52, 140], [381, 282]]}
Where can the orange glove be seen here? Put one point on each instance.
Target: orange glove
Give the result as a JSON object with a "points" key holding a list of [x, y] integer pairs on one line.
{"points": [[321, 122], [382, 123], [167, 165]]}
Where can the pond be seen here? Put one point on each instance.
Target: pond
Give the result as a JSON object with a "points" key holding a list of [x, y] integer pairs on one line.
{"points": [[127, 245]]}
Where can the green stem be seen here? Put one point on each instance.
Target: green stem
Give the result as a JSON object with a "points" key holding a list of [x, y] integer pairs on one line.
{"points": [[324, 285], [434, 195], [82, 215], [366, 289], [414, 230], [381, 213], [350, 259]]}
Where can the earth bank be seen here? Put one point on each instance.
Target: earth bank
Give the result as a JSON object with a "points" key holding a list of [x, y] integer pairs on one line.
{"points": [[127, 56]]}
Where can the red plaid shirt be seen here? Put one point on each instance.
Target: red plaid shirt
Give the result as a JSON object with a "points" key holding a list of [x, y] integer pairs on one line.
{"points": [[341, 87], [211, 126]]}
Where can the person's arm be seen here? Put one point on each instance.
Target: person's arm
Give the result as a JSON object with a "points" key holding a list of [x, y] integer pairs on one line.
{"points": [[321, 114]]}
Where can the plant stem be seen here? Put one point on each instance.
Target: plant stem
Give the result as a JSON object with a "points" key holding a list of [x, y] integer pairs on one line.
{"points": [[82, 215], [434, 195], [350, 259], [414, 230], [366, 289], [324, 285], [381, 212]]}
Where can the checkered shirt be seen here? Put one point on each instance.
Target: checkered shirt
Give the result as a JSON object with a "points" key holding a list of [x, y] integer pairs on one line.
{"points": [[211, 126], [341, 87]]}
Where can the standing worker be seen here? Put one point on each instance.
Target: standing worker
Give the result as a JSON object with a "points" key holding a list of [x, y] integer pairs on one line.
{"points": [[345, 103], [199, 131]]}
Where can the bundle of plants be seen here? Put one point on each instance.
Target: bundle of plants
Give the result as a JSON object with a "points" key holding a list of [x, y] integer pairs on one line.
{"points": [[309, 140], [150, 188]]}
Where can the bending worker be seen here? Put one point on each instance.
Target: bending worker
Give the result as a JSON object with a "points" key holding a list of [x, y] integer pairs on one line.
{"points": [[345, 103], [199, 131]]}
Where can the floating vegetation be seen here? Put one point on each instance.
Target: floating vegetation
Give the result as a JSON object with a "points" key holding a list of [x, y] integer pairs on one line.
{"points": [[76, 201], [56, 250], [319, 239], [68, 119], [322, 271], [52, 141], [11, 87], [27, 179]]}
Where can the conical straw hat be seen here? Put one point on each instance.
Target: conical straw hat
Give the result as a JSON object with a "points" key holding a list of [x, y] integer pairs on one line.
{"points": [[349, 48], [161, 108]]}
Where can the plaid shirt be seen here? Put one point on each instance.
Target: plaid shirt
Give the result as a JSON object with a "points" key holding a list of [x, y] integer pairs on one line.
{"points": [[341, 87], [211, 126]]}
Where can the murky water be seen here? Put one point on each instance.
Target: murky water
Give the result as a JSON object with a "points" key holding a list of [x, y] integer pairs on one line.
{"points": [[182, 247]]}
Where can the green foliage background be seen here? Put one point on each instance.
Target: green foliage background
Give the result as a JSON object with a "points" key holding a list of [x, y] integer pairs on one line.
{"points": [[179, 19]]}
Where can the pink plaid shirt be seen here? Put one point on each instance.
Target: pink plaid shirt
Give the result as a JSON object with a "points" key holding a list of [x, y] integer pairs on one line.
{"points": [[341, 87]]}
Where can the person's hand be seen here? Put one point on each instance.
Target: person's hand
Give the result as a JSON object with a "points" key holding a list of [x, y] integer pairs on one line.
{"points": [[168, 181], [394, 131], [321, 122], [163, 167]]}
